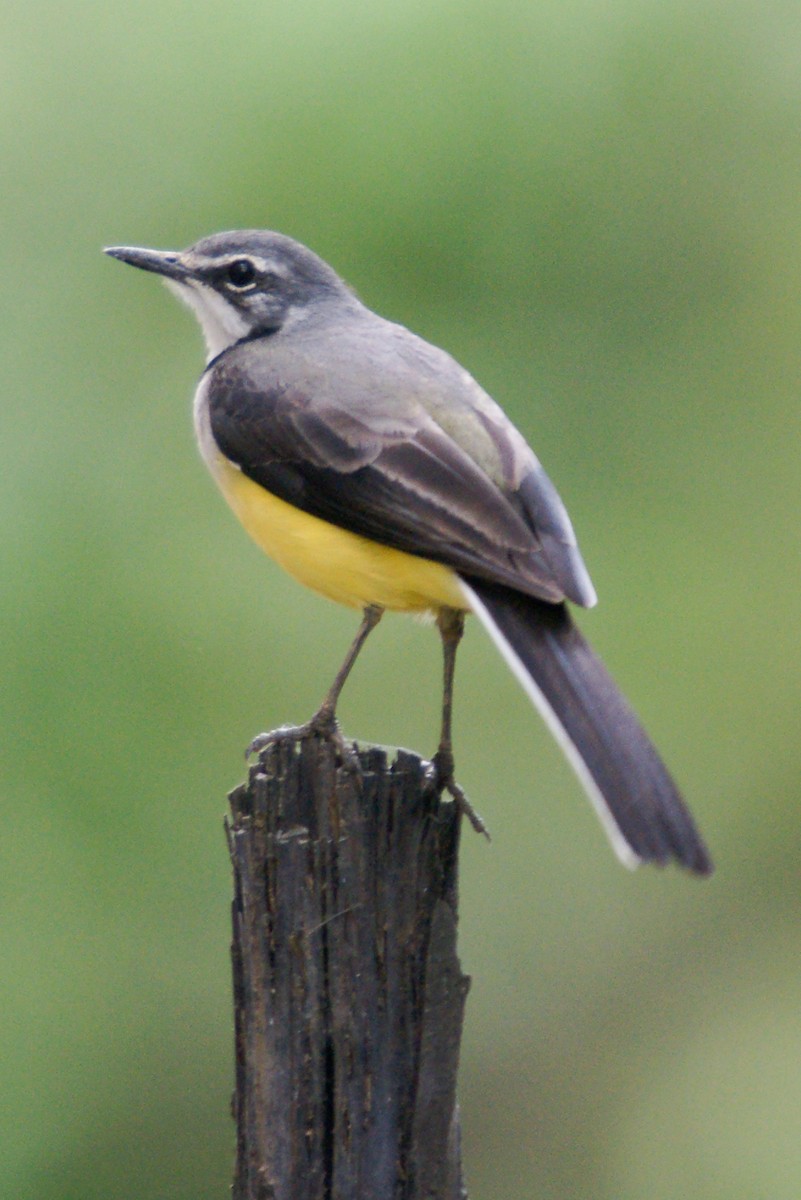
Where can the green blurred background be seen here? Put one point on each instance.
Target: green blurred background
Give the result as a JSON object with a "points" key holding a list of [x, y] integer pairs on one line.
{"points": [[596, 207]]}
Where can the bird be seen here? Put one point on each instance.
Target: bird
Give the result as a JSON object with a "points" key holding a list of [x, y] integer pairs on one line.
{"points": [[372, 467]]}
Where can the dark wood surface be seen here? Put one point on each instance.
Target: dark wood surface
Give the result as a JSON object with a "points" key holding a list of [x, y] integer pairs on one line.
{"points": [[349, 996]]}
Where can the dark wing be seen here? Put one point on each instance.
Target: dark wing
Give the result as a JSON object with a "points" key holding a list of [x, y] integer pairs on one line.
{"points": [[389, 472]]}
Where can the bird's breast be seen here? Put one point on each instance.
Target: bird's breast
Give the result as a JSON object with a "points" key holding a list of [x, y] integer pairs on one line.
{"points": [[339, 564]]}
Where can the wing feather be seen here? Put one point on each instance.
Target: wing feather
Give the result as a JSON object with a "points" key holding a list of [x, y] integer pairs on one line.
{"points": [[370, 457]]}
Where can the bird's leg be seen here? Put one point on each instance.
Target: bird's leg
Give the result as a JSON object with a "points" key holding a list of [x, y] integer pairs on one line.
{"points": [[324, 720], [326, 713], [450, 622]]}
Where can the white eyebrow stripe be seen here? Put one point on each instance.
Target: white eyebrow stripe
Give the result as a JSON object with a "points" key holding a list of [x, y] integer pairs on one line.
{"points": [[201, 262]]}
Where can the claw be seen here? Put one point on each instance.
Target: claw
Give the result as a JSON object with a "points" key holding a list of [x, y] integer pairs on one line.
{"points": [[323, 724], [442, 764]]}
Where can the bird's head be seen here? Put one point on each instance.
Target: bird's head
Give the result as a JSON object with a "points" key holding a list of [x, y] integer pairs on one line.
{"points": [[242, 284]]}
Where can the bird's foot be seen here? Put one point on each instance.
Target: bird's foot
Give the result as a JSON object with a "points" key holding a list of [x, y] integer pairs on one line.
{"points": [[442, 764], [323, 725]]}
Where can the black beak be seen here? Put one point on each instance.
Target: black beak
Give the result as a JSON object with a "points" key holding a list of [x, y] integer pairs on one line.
{"points": [[162, 262]]}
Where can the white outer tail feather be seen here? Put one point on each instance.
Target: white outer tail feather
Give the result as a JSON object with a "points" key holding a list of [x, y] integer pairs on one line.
{"points": [[619, 844]]}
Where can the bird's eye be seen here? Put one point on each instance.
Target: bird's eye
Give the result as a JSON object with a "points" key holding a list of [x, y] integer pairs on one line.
{"points": [[241, 273]]}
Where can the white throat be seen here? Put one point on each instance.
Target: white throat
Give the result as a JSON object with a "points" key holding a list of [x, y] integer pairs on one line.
{"points": [[222, 325]]}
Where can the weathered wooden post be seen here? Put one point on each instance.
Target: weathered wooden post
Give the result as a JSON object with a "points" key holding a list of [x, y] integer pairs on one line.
{"points": [[349, 996]]}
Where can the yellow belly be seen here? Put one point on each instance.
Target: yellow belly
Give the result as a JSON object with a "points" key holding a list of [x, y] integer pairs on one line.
{"points": [[340, 565]]}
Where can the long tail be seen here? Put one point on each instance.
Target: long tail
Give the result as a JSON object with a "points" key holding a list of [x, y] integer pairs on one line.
{"points": [[637, 801]]}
